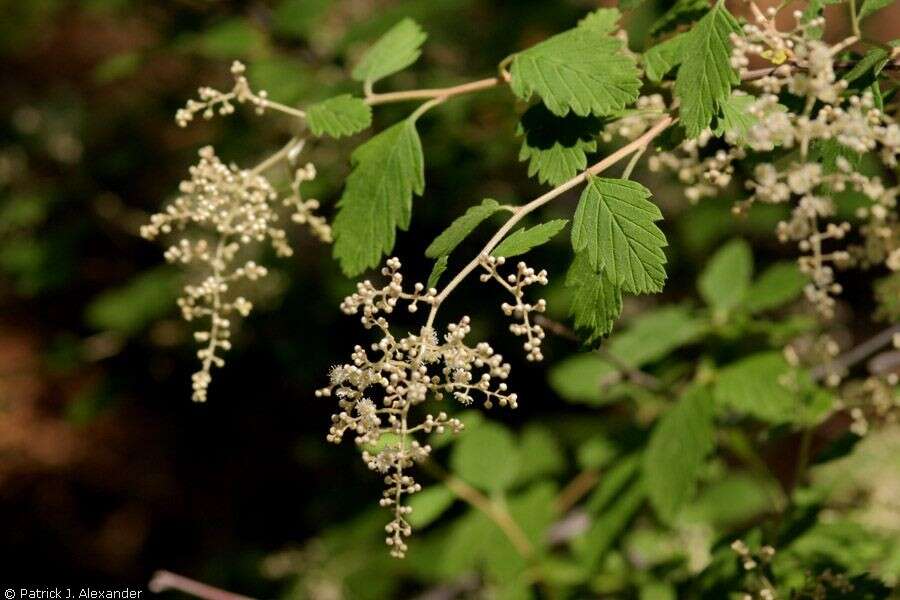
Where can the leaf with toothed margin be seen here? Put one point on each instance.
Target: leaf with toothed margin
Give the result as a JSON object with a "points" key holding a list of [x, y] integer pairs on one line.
{"points": [[393, 52], [524, 239], [706, 76], [663, 57], [615, 225], [583, 70], [377, 200], [596, 301], [460, 228], [556, 147], [339, 116]]}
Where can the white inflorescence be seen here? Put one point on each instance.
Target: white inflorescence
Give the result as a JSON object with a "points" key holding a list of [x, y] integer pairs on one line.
{"points": [[237, 206], [379, 386], [212, 100], [804, 66]]}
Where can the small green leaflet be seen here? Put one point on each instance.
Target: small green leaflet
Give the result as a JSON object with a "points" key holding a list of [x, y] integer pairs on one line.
{"points": [[339, 116], [524, 239], [871, 64], [487, 457], [705, 76], [596, 302], [764, 386], [724, 282], [602, 20], [377, 200], [556, 147], [460, 228], [429, 504], [614, 223], [734, 117], [870, 6], [680, 442], [778, 285], [650, 337], [665, 56], [583, 70], [440, 265], [394, 51]]}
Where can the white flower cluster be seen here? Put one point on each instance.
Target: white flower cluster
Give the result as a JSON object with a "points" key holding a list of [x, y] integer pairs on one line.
{"points": [[378, 388], [238, 207], [811, 166], [515, 284], [212, 100]]}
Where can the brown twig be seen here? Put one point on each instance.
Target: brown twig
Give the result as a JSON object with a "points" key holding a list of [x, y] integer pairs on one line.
{"points": [[855, 355], [163, 581], [634, 374]]}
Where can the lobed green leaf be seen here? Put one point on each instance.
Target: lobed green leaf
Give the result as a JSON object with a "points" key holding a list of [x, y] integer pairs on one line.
{"points": [[614, 225], [460, 228], [524, 239], [393, 52], [339, 116], [377, 200], [705, 76]]}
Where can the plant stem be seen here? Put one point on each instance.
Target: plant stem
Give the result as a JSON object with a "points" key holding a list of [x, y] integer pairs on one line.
{"points": [[277, 157], [163, 581], [855, 354], [575, 490], [491, 509], [525, 209], [373, 99], [854, 19]]}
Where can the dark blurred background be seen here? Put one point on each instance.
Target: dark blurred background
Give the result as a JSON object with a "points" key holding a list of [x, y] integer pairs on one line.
{"points": [[107, 470]]}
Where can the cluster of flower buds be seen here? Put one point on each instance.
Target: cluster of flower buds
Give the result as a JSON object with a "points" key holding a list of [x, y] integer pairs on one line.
{"points": [[515, 284], [232, 208], [212, 100], [812, 168], [378, 388]]}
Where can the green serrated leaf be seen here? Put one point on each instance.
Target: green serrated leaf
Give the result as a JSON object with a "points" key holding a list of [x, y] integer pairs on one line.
{"points": [[724, 282], [869, 66], [705, 76], [440, 265], [734, 117], [674, 456], [665, 56], [377, 200], [524, 239], [486, 457], [596, 302], [460, 228], [602, 20], [682, 11], [653, 335], [556, 147], [393, 52], [339, 116], [870, 6], [759, 386], [583, 70], [779, 284], [614, 224]]}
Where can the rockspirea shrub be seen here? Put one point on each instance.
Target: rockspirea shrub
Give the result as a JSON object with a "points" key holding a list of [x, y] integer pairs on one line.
{"points": [[730, 107]]}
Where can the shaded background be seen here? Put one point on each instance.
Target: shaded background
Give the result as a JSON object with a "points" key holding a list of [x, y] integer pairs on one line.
{"points": [[107, 470]]}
